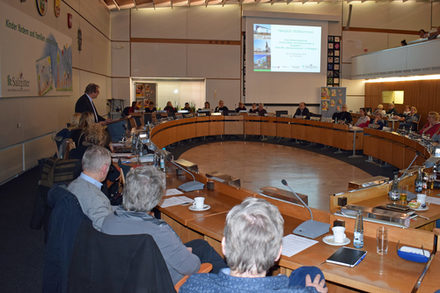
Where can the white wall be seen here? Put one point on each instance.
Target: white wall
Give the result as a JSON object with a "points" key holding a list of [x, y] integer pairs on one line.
{"points": [[29, 122]]}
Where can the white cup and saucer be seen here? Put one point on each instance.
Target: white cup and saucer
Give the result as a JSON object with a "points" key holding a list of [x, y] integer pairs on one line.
{"points": [[338, 238], [199, 205]]}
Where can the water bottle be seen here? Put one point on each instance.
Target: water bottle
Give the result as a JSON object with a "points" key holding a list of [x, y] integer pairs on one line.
{"points": [[419, 182], [162, 162], [358, 239]]}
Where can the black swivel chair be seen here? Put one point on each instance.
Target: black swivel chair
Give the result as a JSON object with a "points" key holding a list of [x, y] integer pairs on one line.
{"points": [[117, 263]]}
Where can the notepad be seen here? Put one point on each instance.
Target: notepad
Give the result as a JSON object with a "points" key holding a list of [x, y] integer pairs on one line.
{"points": [[346, 256], [293, 244]]}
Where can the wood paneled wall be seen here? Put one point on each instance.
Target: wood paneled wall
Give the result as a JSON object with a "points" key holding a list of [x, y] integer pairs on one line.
{"points": [[423, 94]]}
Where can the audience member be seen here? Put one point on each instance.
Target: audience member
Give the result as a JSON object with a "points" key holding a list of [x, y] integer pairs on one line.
{"points": [[391, 110], [86, 119], [343, 117], [403, 43], [187, 108], [380, 109], [302, 111], [433, 126], [253, 108], [87, 187], [409, 122], [240, 107], [252, 243], [85, 102], [423, 34], [222, 108], [377, 123], [151, 108], [364, 120], [169, 108], [433, 35], [261, 111], [144, 188]]}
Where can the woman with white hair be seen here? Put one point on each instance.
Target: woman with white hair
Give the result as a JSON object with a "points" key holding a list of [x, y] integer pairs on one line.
{"points": [[251, 244], [144, 188]]}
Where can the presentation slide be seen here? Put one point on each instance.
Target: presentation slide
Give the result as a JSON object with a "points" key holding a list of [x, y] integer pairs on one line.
{"points": [[287, 48]]}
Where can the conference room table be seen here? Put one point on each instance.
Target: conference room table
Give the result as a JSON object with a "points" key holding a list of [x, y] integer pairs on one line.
{"points": [[388, 273]]}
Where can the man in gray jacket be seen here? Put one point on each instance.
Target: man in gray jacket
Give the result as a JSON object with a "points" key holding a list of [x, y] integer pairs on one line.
{"points": [[87, 187]]}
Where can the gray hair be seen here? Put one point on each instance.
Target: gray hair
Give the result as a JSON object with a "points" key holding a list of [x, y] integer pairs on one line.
{"points": [[253, 236], [144, 188], [95, 157]]}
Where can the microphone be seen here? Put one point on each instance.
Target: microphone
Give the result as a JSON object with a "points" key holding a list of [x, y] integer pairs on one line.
{"points": [[310, 228], [190, 185]]}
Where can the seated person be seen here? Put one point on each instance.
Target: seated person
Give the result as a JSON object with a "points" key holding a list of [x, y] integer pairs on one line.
{"points": [[253, 109], [364, 120], [423, 34], [380, 109], [433, 126], [240, 107], [343, 117], [302, 111], [187, 107], [144, 188], [433, 35], [87, 187], [252, 244], [86, 120], [391, 110], [169, 108], [222, 108], [207, 106], [150, 108], [95, 134], [378, 122], [409, 122], [261, 111]]}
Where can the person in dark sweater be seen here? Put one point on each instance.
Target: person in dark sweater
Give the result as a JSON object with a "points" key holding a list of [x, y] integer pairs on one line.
{"points": [[302, 111], [169, 108], [222, 108], [240, 107], [343, 117]]}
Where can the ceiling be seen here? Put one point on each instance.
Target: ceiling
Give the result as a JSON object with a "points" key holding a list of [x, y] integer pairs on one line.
{"points": [[128, 4]]}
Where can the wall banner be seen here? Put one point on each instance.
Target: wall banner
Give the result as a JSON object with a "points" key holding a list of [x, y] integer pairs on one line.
{"points": [[35, 59], [332, 100]]}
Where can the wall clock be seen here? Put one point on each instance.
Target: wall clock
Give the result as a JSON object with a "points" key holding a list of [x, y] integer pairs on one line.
{"points": [[42, 7]]}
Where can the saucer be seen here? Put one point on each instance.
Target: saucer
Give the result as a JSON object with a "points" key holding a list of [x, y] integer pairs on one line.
{"points": [[420, 209], [194, 209], [330, 241]]}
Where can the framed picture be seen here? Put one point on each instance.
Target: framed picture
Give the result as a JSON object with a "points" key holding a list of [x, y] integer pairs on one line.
{"points": [[336, 46], [331, 39], [330, 45], [330, 66], [330, 53], [330, 60], [337, 39], [336, 52], [329, 73], [336, 80], [336, 67], [330, 81], [336, 60]]}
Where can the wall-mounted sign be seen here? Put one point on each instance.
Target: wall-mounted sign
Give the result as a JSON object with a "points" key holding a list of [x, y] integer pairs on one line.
{"points": [[42, 7], [57, 7], [36, 60]]}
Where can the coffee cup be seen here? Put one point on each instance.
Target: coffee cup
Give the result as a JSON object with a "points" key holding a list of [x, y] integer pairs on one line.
{"points": [[338, 234], [421, 198], [199, 202]]}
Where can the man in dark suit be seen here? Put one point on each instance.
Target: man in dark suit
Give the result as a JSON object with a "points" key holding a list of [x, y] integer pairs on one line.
{"points": [[85, 102]]}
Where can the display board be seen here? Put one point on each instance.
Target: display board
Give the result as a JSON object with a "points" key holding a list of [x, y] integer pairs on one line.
{"points": [[332, 99], [285, 59], [35, 59]]}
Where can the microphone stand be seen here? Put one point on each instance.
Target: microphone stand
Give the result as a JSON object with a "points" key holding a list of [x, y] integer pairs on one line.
{"points": [[190, 185], [310, 228]]}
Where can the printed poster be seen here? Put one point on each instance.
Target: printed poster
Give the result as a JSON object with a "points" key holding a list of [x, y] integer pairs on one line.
{"points": [[332, 99], [35, 59]]}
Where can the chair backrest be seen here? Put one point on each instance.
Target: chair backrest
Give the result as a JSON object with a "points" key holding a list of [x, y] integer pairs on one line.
{"points": [[64, 221], [117, 130], [117, 263]]}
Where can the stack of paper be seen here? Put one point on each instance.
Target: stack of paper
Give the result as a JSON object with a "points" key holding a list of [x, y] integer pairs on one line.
{"points": [[293, 244]]}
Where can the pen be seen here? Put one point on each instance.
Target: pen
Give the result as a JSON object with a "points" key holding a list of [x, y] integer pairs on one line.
{"points": [[362, 257]]}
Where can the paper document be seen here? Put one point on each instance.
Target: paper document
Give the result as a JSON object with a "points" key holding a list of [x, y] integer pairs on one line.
{"points": [[433, 200], [173, 191], [176, 201], [293, 244]]}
